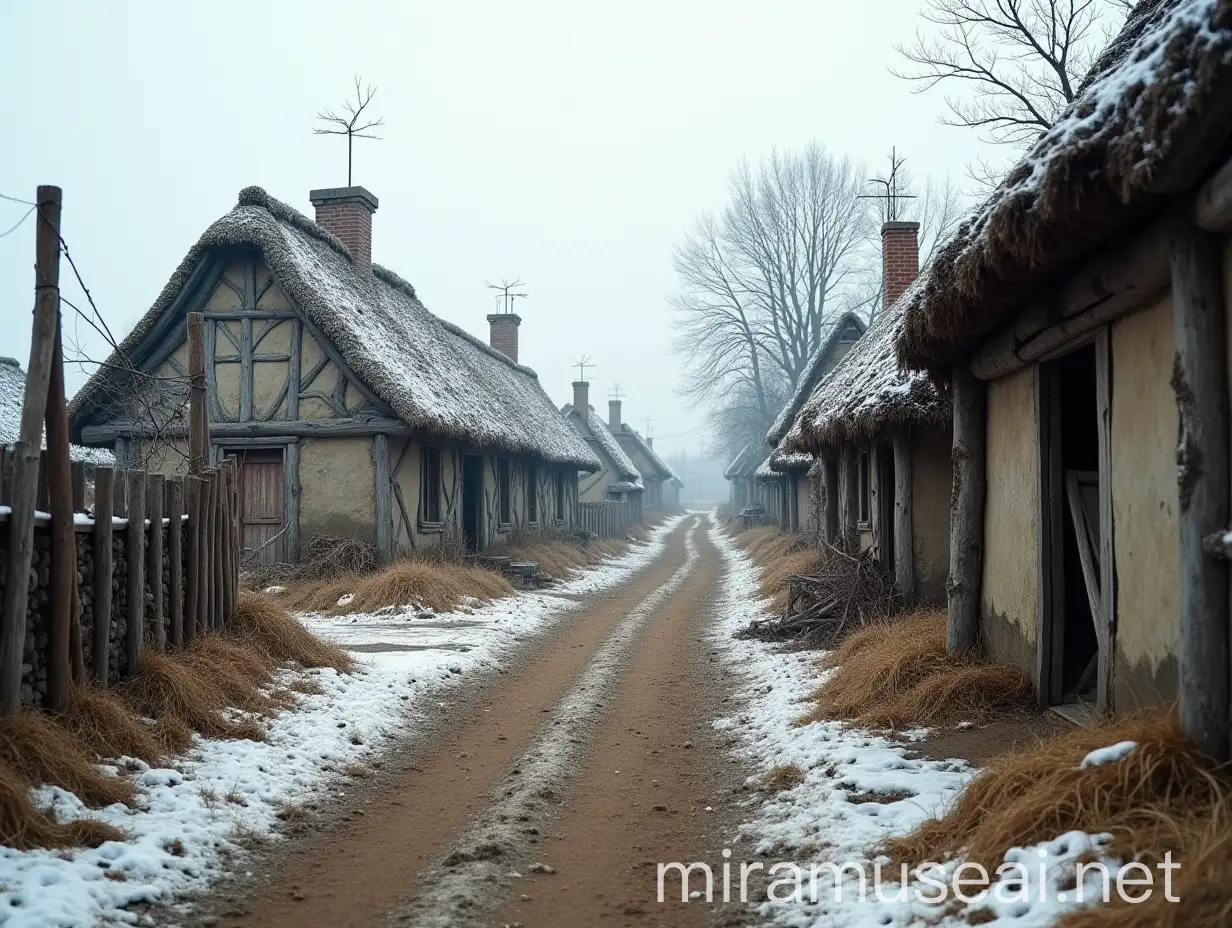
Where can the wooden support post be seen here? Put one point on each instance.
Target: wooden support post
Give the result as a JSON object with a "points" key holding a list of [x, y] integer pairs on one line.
{"points": [[228, 540], [104, 478], [829, 500], [77, 473], [25, 451], [848, 498], [208, 499], [963, 586], [156, 629], [192, 590], [384, 497], [134, 551], [175, 535], [198, 417], [63, 540], [1200, 381], [904, 554], [215, 542]]}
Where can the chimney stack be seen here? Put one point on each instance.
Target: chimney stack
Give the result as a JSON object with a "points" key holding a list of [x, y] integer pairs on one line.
{"points": [[347, 212], [503, 334], [613, 415], [900, 259], [581, 397]]}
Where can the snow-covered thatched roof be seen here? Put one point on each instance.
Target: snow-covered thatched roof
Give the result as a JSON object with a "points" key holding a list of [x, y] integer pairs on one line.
{"points": [[1148, 119], [867, 391], [595, 430], [664, 471], [12, 395], [745, 463], [837, 330], [434, 375], [782, 461]]}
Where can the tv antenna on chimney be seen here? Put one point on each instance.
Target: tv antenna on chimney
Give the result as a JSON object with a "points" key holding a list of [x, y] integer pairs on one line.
{"points": [[617, 392], [891, 196], [581, 364], [350, 124], [504, 296], [648, 421]]}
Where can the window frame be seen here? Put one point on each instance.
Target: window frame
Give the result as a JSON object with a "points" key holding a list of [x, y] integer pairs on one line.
{"points": [[431, 511]]}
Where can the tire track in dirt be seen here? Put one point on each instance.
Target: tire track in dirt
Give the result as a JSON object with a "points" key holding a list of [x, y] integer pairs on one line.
{"points": [[350, 874]]}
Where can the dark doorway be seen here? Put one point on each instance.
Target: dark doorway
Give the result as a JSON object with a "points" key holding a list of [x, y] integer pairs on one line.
{"points": [[472, 502], [1070, 456], [885, 506]]}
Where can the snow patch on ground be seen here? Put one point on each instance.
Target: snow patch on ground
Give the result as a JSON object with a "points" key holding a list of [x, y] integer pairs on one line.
{"points": [[196, 817], [858, 789]]}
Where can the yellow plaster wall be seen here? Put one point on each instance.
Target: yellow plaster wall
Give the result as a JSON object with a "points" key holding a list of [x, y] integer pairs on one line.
{"points": [[1144, 504], [338, 488], [931, 482], [1009, 597], [269, 378], [277, 340], [224, 298], [227, 383]]}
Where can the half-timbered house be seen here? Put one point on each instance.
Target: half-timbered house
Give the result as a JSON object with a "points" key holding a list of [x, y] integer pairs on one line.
{"points": [[660, 481], [617, 478], [353, 410]]}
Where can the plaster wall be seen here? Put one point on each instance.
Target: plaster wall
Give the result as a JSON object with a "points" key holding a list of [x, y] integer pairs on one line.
{"points": [[337, 488]]}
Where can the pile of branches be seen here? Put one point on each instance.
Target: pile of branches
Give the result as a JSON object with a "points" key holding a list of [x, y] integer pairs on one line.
{"points": [[844, 593], [321, 557]]}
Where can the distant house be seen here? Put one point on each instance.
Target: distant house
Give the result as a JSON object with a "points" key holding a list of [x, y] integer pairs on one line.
{"points": [[741, 475], [791, 470], [617, 477], [352, 409], [882, 440], [1081, 318], [12, 395], [661, 483]]}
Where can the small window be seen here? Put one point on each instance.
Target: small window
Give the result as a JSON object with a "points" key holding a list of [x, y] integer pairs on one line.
{"points": [[532, 494], [430, 485], [560, 496], [864, 489], [504, 476]]}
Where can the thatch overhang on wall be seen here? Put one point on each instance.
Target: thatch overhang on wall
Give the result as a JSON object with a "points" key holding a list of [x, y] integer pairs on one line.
{"points": [[1150, 121], [832, 332], [433, 374], [867, 392], [787, 462]]}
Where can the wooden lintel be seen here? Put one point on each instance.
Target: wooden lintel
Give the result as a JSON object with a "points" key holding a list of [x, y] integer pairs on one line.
{"points": [[302, 428]]}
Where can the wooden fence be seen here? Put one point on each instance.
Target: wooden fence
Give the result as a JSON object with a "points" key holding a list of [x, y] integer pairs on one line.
{"points": [[607, 519], [157, 563]]}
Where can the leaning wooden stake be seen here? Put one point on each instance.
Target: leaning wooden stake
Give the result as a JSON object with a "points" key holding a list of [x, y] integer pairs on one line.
{"points": [[198, 416], [156, 629], [134, 552], [1200, 381], [963, 586], [103, 571], [25, 451]]}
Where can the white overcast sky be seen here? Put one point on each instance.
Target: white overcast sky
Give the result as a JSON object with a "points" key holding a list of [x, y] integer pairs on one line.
{"points": [[566, 143]]}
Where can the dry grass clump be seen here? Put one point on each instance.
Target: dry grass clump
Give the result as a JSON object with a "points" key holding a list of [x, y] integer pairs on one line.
{"points": [[36, 749], [781, 777], [107, 727], [321, 557], [268, 629], [24, 827], [440, 587], [559, 556], [780, 557], [318, 595], [896, 673]]}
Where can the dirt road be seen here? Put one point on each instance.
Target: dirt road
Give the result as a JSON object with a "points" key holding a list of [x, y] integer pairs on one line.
{"points": [[549, 797]]}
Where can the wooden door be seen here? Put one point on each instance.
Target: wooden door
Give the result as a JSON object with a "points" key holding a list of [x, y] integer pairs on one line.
{"points": [[261, 503]]}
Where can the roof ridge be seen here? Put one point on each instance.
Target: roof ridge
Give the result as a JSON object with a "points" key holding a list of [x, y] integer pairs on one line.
{"points": [[284, 212]]}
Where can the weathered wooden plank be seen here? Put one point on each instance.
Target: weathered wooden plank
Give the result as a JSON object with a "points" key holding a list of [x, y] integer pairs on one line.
{"points": [[963, 586], [351, 426], [237, 315], [246, 370], [218, 554], [209, 499], [156, 629], [134, 550], [904, 555], [198, 417], [1106, 620], [293, 370], [1050, 566], [384, 496], [290, 503], [192, 585], [1200, 382], [63, 615], [175, 555], [829, 502], [104, 570]]}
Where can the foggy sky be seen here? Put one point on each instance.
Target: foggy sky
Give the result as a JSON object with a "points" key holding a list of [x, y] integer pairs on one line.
{"points": [[566, 143]]}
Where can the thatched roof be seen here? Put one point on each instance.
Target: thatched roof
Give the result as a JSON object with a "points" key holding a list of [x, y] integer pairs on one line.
{"points": [[663, 471], [785, 462], [594, 430], [867, 391], [434, 375], [746, 461], [1149, 119], [834, 331], [12, 395]]}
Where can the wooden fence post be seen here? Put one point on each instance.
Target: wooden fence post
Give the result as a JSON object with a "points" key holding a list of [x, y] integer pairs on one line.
{"points": [[198, 415], [104, 478], [77, 471], [217, 598], [227, 539], [192, 591], [175, 534], [134, 551], [155, 627], [208, 499]]}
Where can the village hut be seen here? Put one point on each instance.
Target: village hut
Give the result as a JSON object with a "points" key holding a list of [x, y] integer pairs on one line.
{"points": [[790, 470], [882, 443], [353, 410], [662, 486], [1080, 318], [617, 478], [12, 395], [741, 476]]}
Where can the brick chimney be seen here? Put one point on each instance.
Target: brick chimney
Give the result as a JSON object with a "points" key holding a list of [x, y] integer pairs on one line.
{"points": [[581, 397], [347, 212], [503, 334], [613, 415], [900, 259]]}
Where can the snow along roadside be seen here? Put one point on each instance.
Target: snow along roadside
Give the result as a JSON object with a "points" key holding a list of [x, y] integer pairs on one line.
{"points": [[194, 816], [815, 822]]}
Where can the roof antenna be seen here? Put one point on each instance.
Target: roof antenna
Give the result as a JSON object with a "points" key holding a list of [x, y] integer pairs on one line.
{"points": [[581, 364], [890, 185], [350, 125], [505, 304], [617, 392]]}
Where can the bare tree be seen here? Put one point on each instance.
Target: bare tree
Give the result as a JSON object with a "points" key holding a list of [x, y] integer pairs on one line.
{"points": [[350, 124], [759, 280], [1019, 61]]}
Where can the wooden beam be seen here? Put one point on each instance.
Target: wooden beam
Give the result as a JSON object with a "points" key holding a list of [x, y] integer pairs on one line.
{"points": [[134, 552], [384, 496], [245, 370], [1213, 204], [967, 512], [849, 498], [192, 587], [904, 554], [209, 498], [155, 496], [1200, 382], [175, 548], [829, 501], [293, 370], [238, 315], [101, 542], [1049, 539], [1123, 276], [290, 503], [350, 427], [198, 416], [1106, 620]]}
